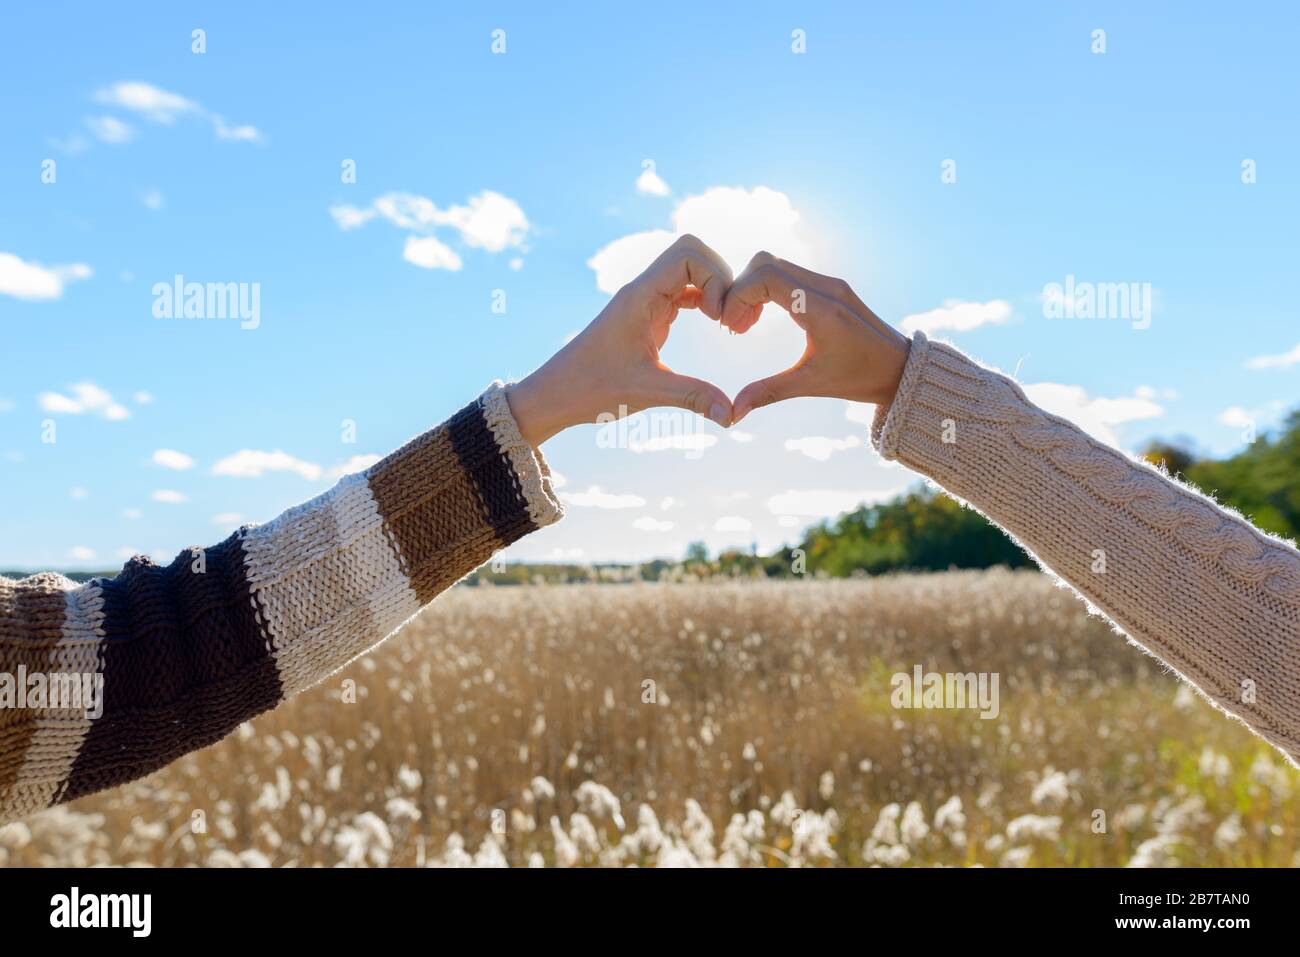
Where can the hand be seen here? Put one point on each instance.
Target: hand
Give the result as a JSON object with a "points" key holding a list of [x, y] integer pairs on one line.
{"points": [[612, 367], [851, 353]]}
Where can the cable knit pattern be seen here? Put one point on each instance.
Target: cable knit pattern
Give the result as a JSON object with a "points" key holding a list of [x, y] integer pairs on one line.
{"points": [[187, 652], [1188, 580]]}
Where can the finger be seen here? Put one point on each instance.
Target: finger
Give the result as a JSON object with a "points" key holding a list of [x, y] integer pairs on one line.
{"points": [[668, 388], [831, 287], [790, 384], [743, 303], [688, 298], [763, 284], [689, 262]]}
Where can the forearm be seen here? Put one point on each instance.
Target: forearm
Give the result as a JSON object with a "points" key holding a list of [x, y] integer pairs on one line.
{"points": [[189, 651], [1194, 584]]}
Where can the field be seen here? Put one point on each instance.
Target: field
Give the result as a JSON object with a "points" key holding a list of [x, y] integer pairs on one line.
{"points": [[745, 723]]}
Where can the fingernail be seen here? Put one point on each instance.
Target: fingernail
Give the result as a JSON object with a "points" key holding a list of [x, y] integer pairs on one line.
{"points": [[718, 413]]}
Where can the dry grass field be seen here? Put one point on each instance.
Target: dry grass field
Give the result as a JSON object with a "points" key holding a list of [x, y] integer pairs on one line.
{"points": [[519, 726]]}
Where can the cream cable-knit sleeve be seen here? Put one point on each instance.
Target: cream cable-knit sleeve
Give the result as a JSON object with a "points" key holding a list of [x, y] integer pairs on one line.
{"points": [[1188, 580]]}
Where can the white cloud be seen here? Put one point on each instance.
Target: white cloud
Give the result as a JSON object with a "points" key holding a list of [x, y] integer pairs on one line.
{"points": [[430, 253], [732, 523], [737, 435], [1235, 416], [487, 221], [77, 493], [243, 133], [161, 106], [1281, 361], [32, 281], [126, 554], [738, 223], [109, 129], [650, 182], [169, 496], [959, 316], [142, 398], [407, 211], [1150, 392], [692, 442], [171, 459], [349, 217], [860, 412], [357, 463], [7, 405], [734, 221], [132, 513], [820, 447], [648, 523], [228, 521], [666, 503], [253, 463], [824, 503], [153, 199], [595, 498], [82, 554], [57, 403], [86, 398], [558, 480], [622, 260], [1098, 416], [147, 100]]}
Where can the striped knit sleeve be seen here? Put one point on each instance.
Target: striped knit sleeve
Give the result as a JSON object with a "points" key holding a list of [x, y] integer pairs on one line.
{"points": [[185, 653], [1189, 581]]}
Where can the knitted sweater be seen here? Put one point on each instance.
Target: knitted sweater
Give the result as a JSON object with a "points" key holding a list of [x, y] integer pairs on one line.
{"points": [[189, 651], [1189, 581]]}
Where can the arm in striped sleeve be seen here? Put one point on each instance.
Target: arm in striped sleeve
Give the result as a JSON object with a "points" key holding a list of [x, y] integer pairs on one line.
{"points": [[189, 651]]}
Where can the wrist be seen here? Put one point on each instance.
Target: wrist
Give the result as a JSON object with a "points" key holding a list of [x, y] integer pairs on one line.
{"points": [[538, 409], [529, 409], [893, 361]]}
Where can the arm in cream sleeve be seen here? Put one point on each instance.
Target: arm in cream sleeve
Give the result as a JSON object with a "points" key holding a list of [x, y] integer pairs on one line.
{"points": [[1191, 582]]}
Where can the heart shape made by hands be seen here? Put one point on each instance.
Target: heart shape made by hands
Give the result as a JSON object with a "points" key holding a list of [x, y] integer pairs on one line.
{"points": [[711, 351]]}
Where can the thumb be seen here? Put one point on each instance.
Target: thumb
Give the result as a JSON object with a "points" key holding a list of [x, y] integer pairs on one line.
{"points": [[775, 388], [686, 392]]}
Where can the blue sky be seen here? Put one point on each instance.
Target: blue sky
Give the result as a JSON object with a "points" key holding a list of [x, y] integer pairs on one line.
{"points": [[519, 171]]}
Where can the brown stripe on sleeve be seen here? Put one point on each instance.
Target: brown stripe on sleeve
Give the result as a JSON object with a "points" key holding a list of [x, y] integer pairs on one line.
{"points": [[433, 506], [186, 659], [31, 623], [493, 475]]}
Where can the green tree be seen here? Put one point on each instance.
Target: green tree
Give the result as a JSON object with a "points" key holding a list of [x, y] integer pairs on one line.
{"points": [[1262, 482], [697, 553]]}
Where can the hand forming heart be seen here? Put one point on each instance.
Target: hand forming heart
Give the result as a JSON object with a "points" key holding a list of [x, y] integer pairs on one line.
{"points": [[850, 352], [613, 367]]}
